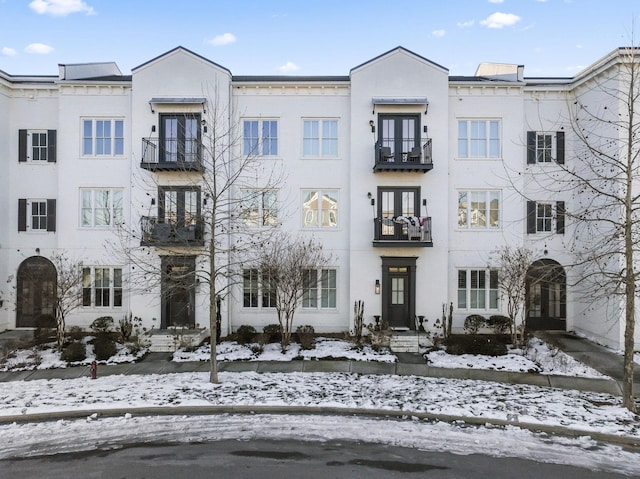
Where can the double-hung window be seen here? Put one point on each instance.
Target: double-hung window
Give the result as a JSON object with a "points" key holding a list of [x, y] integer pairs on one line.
{"points": [[100, 207], [260, 137], [320, 138], [260, 207], [257, 289], [319, 289], [479, 209], [37, 146], [36, 215], [102, 137], [102, 287], [320, 208], [478, 289], [479, 139], [545, 217], [544, 147]]}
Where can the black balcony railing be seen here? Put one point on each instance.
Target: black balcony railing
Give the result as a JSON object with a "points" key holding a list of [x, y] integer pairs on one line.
{"points": [[157, 232], [171, 154], [402, 231], [418, 158]]}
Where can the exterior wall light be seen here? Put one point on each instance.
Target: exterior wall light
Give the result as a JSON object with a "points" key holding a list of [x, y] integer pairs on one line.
{"points": [[377, 286], [373, 126]]}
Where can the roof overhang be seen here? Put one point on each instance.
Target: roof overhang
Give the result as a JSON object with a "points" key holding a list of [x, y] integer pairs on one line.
{"points": [[398, 101], [177, 101]]}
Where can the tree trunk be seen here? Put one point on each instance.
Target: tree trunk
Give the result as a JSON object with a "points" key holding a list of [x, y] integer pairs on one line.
{"points": [[213, 323]]}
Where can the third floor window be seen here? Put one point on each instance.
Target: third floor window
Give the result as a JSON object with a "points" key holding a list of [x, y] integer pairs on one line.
{"points": [[102, 137]]}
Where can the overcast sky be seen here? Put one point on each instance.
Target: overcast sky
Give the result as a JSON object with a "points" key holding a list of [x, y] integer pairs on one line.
{"points": [[270, 37]]}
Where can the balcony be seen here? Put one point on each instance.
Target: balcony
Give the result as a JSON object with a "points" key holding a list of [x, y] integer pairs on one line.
{"points": [[171, 154], [418, 159], [157, 232], [402, 232]]}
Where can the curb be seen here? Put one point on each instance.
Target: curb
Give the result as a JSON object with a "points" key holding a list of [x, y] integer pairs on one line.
{"points": [[627, 441]]}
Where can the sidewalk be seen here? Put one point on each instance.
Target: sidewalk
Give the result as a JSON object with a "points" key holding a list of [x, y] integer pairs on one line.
{"points": [[599, 358]]}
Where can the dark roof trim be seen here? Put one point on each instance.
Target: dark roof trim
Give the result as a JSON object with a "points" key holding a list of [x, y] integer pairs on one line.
{"points": [[404, 50], [287, 78], [185, 50]]}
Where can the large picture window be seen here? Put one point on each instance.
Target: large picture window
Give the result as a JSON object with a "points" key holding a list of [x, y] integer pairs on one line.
{"points": [[260, 208], [100, 207], [260, 138], [478, 289], [479, 209], [320, 289], [102, 137], [479, 139], [101, 287], [320, 138], [257, 289], [320, 208]]}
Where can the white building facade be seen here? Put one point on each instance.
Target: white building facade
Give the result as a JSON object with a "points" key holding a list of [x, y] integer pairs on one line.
{"points": [[409, 177]]}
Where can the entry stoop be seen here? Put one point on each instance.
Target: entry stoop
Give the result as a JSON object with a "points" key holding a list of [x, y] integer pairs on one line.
{"points": [[404, 342], [170, 340]]}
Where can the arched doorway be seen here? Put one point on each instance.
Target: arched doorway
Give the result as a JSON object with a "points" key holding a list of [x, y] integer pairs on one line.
{"points": [[546, 296], [36, 293]]}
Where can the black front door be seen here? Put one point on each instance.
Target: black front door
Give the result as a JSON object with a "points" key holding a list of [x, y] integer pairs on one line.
{"points": [[36, 292], [398, 292], [178, 291]]}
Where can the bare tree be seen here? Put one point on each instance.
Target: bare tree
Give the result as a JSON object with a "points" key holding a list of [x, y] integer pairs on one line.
{"points": [[68, 295], [513, 264], [291, 264], [225, 223]]}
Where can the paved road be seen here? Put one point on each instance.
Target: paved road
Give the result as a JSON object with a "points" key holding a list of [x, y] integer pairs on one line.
{"points": [[277, 459]]}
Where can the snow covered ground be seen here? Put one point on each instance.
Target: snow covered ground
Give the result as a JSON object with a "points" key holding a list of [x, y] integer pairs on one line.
{"points": [[476, 401]]}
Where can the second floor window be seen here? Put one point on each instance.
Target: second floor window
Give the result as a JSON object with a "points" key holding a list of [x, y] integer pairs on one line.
{"points": [[37, 146], [320, 138], [479, 209], [36, 214], [320, 209], [100, 207], [545, 147], [260, 208], [260, 138], [102, 137], [545, 217], [479, 139]]}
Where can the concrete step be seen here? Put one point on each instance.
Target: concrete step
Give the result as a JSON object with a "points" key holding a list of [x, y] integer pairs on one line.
{"points": [[404, 343], [169, 341]]}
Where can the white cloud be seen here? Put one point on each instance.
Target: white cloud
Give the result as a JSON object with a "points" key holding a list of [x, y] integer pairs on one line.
{"points": [[438, 33], [288, 67], [38, 49], [60, 8], [496, 1], [8, 52], [224, 39], [468, 23], [499, 20]]}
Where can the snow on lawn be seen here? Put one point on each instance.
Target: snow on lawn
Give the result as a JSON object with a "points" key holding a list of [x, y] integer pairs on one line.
{"points": [[48, 357], [539, 358], [585, 411], [325, 348]]}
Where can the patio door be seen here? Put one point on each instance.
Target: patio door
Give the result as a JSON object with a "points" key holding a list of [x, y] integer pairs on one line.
{"points": [[400, 133]]}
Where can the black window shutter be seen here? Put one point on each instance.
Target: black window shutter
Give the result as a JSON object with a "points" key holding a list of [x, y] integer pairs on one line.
{"points": [[531, 217], [560, 217], [51, 215], [560, 147], [22, 145], [51, 146], [531, 147], [22, 214]]}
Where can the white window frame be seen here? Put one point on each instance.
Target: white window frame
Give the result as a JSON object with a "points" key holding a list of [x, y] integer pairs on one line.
{"points": [[90, 142], [471, 218], [323, 217], [320, 295], [547, 219], [92, 284], [546, 154], [259, 208], [258, 279], [89, 204], [482, 297], [471, 144], [30, 215], [315, 142], [260, 148], [42, 148]]}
